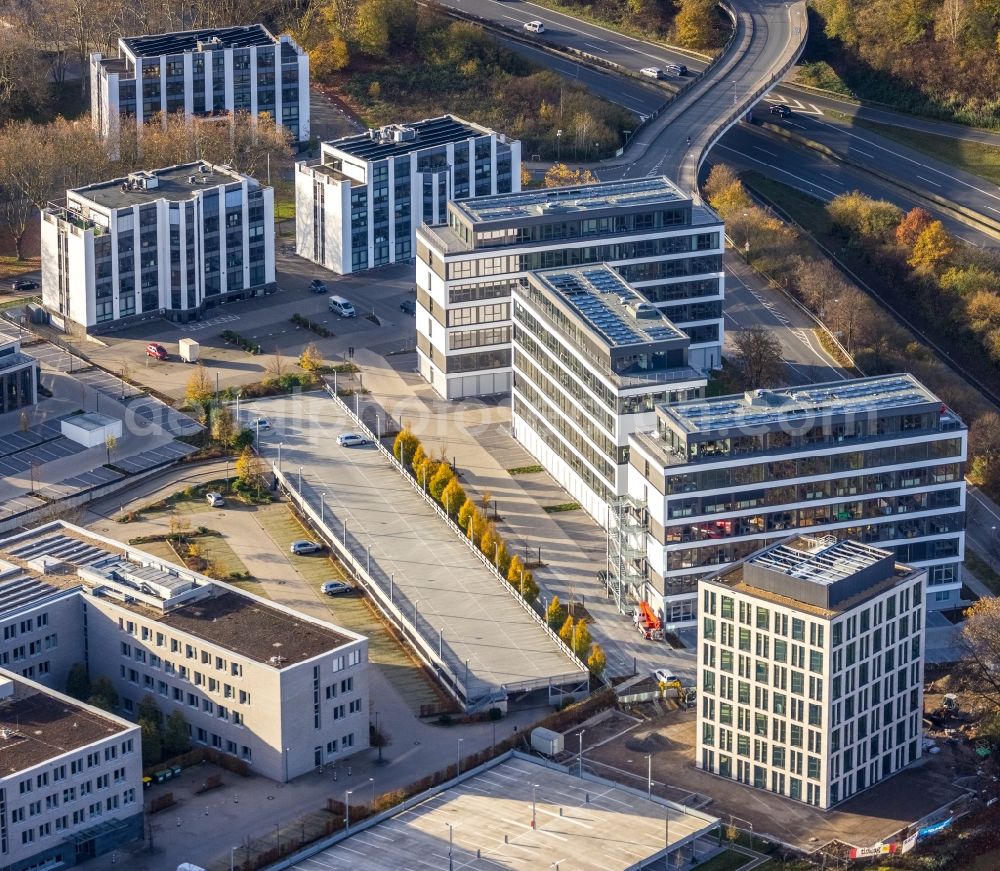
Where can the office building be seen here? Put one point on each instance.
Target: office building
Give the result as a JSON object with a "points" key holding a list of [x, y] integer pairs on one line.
{"points": [[663, 244], [159, 243], [591, 360], [19, 375], [810, 669], [878, 460], [201, 73], [261, 682], [71, 782], [359, 204]]}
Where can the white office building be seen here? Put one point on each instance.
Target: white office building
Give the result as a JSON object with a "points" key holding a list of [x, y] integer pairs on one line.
{"points": [[655, 237], [878, 460], [160, 243], [359, 204], [71, 781], [201, 73], [263, 683], [810, 669], [591, 361]]}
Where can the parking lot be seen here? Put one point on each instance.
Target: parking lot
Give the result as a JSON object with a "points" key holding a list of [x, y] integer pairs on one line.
{"points": [[461, 608]]}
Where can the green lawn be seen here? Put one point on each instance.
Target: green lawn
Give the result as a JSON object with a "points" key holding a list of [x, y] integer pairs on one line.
{"points": [[975, 157], [730, 860], [11, 267], [982, 570]]}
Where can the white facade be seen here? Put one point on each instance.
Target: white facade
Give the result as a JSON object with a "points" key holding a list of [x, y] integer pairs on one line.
{"points": [[816, 702], [878, 460], [71, 784], [668, 248], [201, 73], [168, 242], [253, 679], [591, 360], [359, 205]]}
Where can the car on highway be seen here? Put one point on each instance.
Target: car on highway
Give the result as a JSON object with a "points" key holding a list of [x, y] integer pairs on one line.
{"points": [[534, 27], [781, 110], [351, 440], [24, 284], [215, 500], [260, 423], [677, 69], [317, 286], [157, 351], [335, 588], [408, 307], [662, 675], [652, 72], [304, 546]]}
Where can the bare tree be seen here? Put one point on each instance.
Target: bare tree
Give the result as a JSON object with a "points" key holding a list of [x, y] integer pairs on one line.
{"points": [[758, 358]]}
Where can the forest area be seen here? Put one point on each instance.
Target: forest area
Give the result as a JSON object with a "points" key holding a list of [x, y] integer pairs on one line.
{"points": [[939, 58]]}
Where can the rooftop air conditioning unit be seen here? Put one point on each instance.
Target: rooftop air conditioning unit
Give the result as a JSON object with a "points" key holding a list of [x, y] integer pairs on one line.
{"points": [[204, 168]]}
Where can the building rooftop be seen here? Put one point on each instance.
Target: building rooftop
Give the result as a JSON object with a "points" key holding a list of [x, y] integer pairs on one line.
{"points": [[816, 573], [761, 409], [171, 183], [393, 140], [198, 40], [37, 725], [584, 825], [608, 306], [91, 421], [60, 556], [574, 199]]}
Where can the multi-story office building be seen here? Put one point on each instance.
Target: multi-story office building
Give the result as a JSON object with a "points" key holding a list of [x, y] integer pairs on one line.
{"points": [[592, 359], [661, 242], [810, 669], [359, 204], [18, 375], [878, 460], [283, 691], [71, 782], [165, 242], [201, 73]]}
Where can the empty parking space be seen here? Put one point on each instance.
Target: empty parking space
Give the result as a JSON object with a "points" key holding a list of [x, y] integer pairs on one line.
{"points": [[459, 605], [519, 814], [154, 457]]}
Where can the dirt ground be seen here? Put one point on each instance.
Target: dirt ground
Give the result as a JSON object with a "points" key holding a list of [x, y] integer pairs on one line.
{"points": [[864, 820]]}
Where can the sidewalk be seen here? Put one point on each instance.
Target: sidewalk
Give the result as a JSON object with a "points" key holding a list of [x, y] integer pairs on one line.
{"points": [[476, 436]]}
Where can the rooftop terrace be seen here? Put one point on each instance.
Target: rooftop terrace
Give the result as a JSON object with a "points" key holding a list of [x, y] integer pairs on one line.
{"points": [[570, 200], [764, 408], [194, 40], [170, 183], [36, 726], [394, 140]]}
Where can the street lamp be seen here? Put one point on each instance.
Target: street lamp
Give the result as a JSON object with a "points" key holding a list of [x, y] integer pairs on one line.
{"points": [[649, 775], [558, 146], [534, 788], [451, 845], [580, 736], [371, 780], [347, 807], [458, 757], [300, 480], [232, 857]]}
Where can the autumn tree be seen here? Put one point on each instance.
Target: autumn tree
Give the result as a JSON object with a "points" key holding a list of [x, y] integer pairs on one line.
{"points": [[249, 468], [981, 660], [560, 175], [597, 661], [864, 218], [199, 390], [581, 639], [934, 245], [404, 445], [912, 225], [984, 450], [695, 24], [465, 513], [29, 177], [758, 358], [555, 614], [566, 632], [311, 359], [725, 192], [453, 497], [223, 425]]}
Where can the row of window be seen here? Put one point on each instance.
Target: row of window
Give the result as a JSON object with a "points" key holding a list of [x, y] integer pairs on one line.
{"points": [[95, 810]]}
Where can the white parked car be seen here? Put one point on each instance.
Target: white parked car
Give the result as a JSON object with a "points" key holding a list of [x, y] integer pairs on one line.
{"points": [[534, 27], [661, 675], [351, 440], [652, 72], [261, 422], [303, 546], [215, 500], [335, 588]]}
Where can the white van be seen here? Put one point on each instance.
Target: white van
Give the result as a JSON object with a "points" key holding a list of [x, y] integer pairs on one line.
{"points": [[342, 307], [534, 27]]}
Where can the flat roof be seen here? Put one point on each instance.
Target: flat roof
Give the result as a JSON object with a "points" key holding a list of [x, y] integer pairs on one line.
{"points": [[49, 559], [608, 306], [39, 725], [758, 408], [171, 184], [574, 199], [187, 40], [91, 421], [380, 143], [587, 824]]}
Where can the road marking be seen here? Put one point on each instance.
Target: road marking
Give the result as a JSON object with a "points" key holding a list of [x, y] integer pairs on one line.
{"points": [[770, 153], [512, 18], [812, 187], [929, 181], [834, 180], [791, 124], [595, 47], [993, 209], [865, 153]]}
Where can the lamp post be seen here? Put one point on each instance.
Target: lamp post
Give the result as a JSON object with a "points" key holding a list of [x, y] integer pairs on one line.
{"points": [[534, 788], [232, 857], [451, 844], [371, 780], [649, 775], [347, 808], [558, 146], [279, 456], [238, 395], [580, 736], [300, 480], [378, 429], [458, 757], [440, 643], [322, 508]]}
